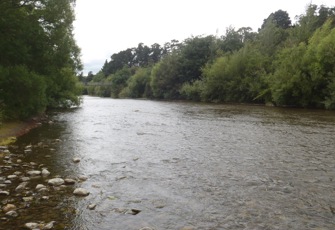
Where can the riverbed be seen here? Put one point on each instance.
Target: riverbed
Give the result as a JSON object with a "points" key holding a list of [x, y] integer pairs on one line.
{"points": [[182, 165]]}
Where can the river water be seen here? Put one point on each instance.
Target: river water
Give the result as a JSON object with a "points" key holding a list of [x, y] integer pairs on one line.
{"points": [[181, 165]]}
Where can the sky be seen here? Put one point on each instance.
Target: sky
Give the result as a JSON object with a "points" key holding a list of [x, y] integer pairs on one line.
{"points": [[105, 27]]}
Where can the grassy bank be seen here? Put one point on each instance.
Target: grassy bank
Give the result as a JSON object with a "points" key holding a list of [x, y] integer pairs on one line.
{"points": [[10, 130]]}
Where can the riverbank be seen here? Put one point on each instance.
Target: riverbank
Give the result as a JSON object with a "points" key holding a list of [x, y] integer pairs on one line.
{"points": [[9, 131]]}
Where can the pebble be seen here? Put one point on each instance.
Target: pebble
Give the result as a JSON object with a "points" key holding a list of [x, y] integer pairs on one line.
{"points": [[24, 179], [12, 214], [8, 207], [45, 173], [92, 206], [43, 190], [40, 186], [34, 173], [82, 178], [76, 160], [56, 181], [81, 192], [4, 193], [12, 177], [32, 225], [28, 199], [21, 186], [49, 225], [69, 181], [27, 151], [17, 173]]}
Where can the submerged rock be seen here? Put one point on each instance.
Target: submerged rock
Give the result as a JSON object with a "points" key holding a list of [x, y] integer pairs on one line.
{"points": [[28, 199], [91, 206], [4, 193], [21, 186], [45, 173], [49, 225], [40, 186], [69, 181], [81, 192], [12, 177], [8, 207], [32, 226], [12, 214], [83, 178], [34, 173], [56, 181], [24, 179], [76, 159]]}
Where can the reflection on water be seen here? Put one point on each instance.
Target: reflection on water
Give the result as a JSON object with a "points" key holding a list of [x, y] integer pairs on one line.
{"points": [[195, 166]]}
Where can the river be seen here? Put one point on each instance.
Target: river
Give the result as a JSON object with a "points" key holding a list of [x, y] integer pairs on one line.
{"points": [[182, 165]]}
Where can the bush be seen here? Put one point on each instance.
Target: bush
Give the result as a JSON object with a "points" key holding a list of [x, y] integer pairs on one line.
{"points": [[24, 94], [138, 84]]}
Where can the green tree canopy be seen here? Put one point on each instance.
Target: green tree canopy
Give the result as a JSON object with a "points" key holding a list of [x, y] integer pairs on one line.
{"points": [[37, 48]]}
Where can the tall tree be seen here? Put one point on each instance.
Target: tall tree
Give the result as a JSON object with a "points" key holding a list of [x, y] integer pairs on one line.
{"points": [[36, 40]]}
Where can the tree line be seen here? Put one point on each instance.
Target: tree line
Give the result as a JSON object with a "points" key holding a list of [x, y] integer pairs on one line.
{"points": [[282, 64], [39, 58]]}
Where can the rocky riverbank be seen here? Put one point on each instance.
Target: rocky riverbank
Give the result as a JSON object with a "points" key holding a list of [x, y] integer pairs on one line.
{"points": [[27, 186]]}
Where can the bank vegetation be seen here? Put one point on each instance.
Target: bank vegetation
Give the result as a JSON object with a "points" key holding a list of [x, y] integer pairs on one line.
{"points": [[282, 64]]}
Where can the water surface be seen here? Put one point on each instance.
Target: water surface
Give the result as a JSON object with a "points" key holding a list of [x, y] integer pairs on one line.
{"points": [[193, 166]]}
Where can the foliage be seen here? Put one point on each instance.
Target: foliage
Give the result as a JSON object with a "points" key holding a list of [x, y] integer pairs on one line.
{"points": [[283, 64], [39, 54], [235, 78], [279, 18], [194, 53], [138, 85], [27, 98], [118, 81], [313, 19], [305, 74], [140, 56], [165, 78], [192, 90]]}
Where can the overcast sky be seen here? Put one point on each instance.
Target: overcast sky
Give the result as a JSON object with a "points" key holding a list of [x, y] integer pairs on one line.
{"points": [[104, 27]]}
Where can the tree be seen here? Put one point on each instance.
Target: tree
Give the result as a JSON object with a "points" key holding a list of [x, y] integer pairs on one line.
{"points": [[232, 40], [37, 41], [305, 73], [234, 78], [165, 83], [138, 85], [118, 81], [280, 18]]}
